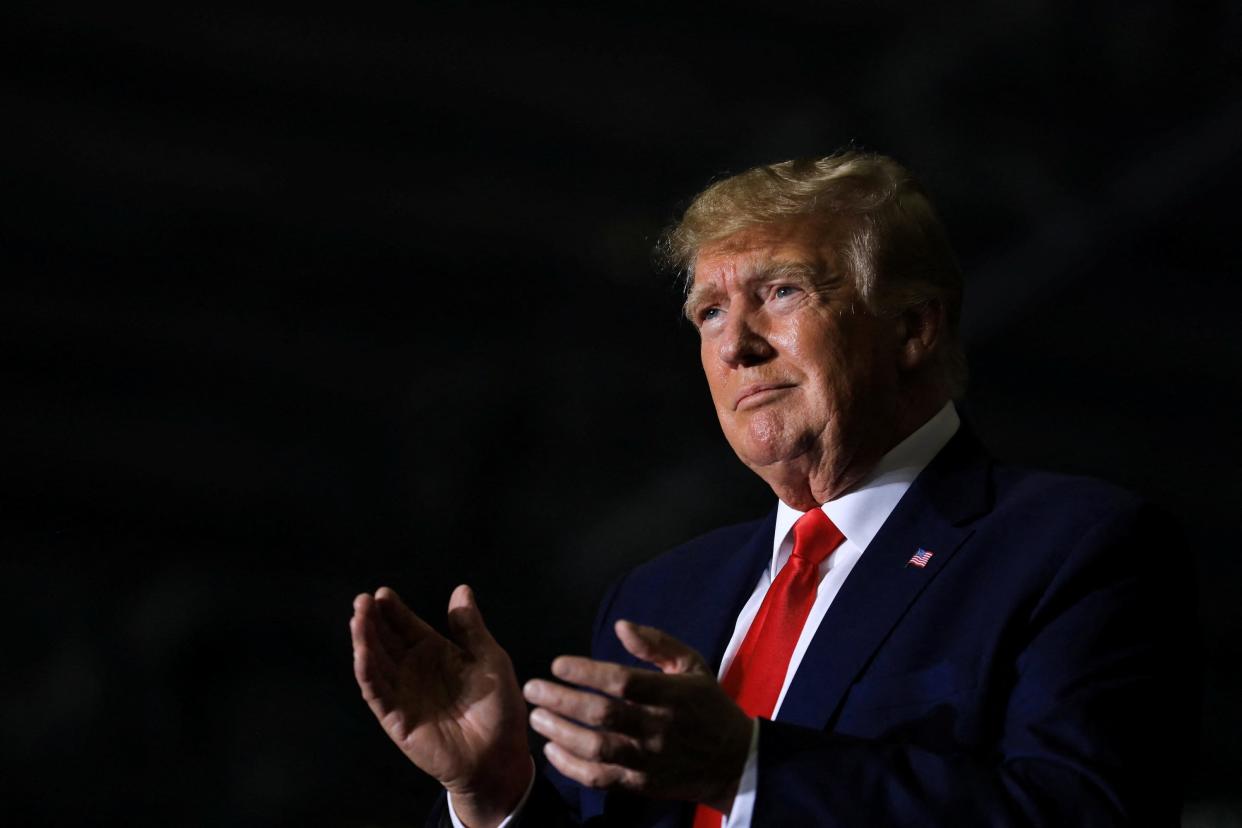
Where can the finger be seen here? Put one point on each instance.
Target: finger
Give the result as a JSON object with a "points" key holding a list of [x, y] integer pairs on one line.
{"points": [[587, 672], [375, 686], [370, 671], [590, 708], [591, 774], [368, 612], [633, 684], [659, 648], [364, 629], [465, 622], [585, 743], [400, 618]]}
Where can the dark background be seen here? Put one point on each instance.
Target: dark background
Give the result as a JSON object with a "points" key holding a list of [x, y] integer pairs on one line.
{"points": [[299, 303]]}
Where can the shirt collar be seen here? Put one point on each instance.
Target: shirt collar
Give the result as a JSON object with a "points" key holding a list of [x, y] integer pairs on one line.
{"points": [[860, 512]]}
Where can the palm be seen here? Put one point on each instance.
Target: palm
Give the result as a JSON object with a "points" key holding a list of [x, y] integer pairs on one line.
{"points": [[452, 706], [448, 707]]}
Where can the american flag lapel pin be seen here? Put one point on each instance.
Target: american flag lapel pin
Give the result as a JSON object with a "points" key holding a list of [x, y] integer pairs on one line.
{"points": [[920, 558]]}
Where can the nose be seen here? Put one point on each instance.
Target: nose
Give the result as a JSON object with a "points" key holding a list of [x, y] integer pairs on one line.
{"points": [[742, 344]]}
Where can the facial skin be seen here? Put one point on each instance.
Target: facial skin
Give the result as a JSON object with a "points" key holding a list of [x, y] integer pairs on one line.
{"points": [[811, 388]]}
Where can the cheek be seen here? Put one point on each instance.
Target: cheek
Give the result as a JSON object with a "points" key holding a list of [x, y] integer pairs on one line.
{"points": [[718, 387], [824, 387], [828, 373]]}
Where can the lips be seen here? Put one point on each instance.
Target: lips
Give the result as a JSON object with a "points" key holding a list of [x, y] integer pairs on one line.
{"points": [[757, 393]]}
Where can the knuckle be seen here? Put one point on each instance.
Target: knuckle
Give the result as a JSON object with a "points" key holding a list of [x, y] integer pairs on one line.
{"points": [[551, 694], [598, 711], [657, 721], [615, 753], [635, 781], [628, 753], [612, 716], [622, 684], [633, 683]]}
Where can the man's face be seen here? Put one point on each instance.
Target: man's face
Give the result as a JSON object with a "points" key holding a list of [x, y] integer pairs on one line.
{"points": [[803, 376]]}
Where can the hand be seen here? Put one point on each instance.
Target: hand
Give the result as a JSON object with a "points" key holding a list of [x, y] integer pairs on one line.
{"points": [[453, 707], [668, 735]]}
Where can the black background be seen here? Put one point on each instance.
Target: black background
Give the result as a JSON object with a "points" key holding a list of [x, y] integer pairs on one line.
{"points": [[298, 303]]}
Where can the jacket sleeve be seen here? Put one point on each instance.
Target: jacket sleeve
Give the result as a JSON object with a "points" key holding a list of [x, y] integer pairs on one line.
{"points": [[1094, 731], [544, 807]]}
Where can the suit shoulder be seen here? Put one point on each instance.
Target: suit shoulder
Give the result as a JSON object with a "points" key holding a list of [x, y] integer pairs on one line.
{"points": [[680, 590], [1070, 498], [698, 552], [1057, 518]]}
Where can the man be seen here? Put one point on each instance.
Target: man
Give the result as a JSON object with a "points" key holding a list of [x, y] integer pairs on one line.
{"points": [[915, 635]]}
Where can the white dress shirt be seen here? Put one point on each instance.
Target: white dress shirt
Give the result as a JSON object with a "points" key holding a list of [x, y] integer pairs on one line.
{"points": [[859, 514]]}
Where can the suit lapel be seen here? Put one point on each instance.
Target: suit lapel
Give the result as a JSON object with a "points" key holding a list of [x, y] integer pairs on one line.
{"points": [[934, 514], [709, 615]]}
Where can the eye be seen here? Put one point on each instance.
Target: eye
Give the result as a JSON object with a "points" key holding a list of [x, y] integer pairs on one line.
{"points": [[784, 291], [708, 314]]}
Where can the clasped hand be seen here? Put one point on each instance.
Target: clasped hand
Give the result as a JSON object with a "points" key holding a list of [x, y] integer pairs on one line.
{"points": [[454, 708], [672, 734]]}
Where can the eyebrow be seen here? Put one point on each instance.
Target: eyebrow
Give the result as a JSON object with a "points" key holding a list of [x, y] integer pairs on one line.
{"points": [[768, 272]]}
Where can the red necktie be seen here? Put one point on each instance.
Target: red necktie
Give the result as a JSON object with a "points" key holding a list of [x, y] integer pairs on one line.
{"points": [[755, 677]]}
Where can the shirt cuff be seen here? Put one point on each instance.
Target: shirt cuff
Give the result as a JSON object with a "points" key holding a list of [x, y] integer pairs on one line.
{"points": [[504, 823], [744, 802]]}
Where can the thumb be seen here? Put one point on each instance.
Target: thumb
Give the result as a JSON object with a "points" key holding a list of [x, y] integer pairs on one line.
{"points": [[659, 648], [465, 622]]}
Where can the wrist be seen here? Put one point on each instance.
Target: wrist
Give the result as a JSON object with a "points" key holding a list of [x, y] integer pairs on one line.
{"points": [[486, 803], [734, 757]]}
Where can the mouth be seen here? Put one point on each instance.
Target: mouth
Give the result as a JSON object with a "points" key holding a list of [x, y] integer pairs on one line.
{"points": [[759, 393]]}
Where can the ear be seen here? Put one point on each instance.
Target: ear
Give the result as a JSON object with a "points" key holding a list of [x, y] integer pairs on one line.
{"points": [[921, 328]]}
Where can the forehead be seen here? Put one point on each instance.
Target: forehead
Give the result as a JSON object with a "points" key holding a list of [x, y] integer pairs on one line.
{"points": [[757, 251]]}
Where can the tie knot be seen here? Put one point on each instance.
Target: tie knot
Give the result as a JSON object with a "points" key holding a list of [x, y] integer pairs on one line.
{"points": [[815, 537]]}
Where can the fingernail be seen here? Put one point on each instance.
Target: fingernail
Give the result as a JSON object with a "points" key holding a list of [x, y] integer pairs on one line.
{"points": [[539, 718], [533, 690]]}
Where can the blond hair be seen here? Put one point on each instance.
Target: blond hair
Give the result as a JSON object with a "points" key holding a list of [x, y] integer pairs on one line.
{"points": [[873, 212]]}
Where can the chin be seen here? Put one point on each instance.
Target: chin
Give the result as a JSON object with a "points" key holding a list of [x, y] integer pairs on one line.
{"points": [[770, 447], [770, 458], [771, 437]]}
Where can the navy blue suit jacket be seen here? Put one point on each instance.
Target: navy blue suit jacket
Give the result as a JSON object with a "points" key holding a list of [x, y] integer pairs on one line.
{"points": [[1036, 672]]}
